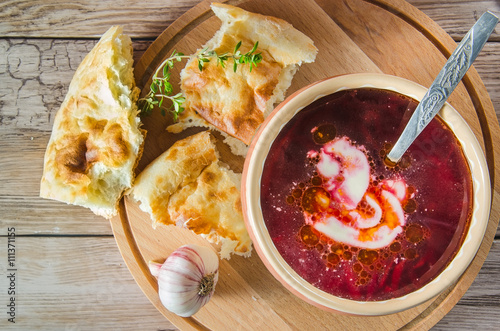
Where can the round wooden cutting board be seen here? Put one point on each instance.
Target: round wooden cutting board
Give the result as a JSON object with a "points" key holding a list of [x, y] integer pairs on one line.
{"points": [[352, 36]]}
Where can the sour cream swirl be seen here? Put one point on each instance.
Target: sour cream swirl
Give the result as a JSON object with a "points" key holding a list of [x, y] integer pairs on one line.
{"points": [[359, 213]]}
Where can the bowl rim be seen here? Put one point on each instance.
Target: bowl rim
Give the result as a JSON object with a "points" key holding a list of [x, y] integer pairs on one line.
{"points": [[250, 193]]}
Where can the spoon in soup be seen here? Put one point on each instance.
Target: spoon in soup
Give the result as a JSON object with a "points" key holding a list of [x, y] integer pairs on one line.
{"points": [[446, 81]]}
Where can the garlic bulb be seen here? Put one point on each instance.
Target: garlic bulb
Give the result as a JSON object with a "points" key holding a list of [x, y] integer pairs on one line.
{"points": [[187, 279]]}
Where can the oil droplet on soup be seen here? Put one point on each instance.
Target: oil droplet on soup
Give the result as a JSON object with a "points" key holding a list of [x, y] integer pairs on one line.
{"points": [[324, 133], [308, 236], [366, 230], [315, 199]]}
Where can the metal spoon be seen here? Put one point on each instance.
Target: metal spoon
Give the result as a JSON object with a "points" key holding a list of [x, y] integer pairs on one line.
{"points": [[446, 81]]}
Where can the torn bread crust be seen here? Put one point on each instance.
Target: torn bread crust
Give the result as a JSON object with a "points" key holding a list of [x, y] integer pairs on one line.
{"points": [[181, 164], [189, 187], [188, 118], [211, 207], [237, 103], [96, 140]]}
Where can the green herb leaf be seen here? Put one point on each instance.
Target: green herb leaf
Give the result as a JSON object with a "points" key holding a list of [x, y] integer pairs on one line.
{"points": [[161, 88], [237, 47]]}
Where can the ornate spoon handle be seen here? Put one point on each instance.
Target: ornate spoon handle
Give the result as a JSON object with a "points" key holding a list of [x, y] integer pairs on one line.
{"points": [[446, 81]]}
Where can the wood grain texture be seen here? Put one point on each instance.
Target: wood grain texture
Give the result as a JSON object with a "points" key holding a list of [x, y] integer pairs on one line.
{"points": [[479, 308], [246, 283], [366, 24], [41, 43], [147, 19], [34, 77], [455, 17], [88, 18], [57, 290]]}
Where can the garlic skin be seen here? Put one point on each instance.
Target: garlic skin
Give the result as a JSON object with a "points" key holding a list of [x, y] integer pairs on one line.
{"points": [[187, 279]]}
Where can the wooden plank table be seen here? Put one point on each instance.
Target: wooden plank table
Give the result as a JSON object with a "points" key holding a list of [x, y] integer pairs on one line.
{"points": [[70, 275]]}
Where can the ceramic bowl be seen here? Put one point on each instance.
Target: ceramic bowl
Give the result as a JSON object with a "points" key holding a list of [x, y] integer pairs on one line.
{"points": [[263, 243]]}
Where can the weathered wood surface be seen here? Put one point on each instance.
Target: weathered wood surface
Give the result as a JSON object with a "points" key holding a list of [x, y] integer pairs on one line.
{"points": [[58, 290], [41, 44], [147, 19], [35, 74]]}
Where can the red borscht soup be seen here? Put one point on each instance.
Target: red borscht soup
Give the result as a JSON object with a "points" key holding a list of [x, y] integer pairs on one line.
{"points": [[347, 222]]}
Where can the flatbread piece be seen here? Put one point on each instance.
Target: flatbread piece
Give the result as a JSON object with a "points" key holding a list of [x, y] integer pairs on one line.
{"points": [[236, 103], [96, 139], [190, 187]]}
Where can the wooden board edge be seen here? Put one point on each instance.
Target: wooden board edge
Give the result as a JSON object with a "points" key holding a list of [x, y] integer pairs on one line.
{"points": [[473, 83], [489, 128], [140, 271], [153, 56], [484, 108], [155, 53]]}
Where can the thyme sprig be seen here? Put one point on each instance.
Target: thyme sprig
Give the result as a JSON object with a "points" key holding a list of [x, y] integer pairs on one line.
{"points": [[161, 89]]}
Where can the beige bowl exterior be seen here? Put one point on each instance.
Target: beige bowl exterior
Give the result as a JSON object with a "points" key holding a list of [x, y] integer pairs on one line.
{"points": [[262, 241]]}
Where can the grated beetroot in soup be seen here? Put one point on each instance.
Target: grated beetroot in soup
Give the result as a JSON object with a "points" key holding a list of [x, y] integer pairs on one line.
{"points": [[348, 223]]}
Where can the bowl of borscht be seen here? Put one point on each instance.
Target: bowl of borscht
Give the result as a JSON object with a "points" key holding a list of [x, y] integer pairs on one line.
{"points": [[345, 230]]}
